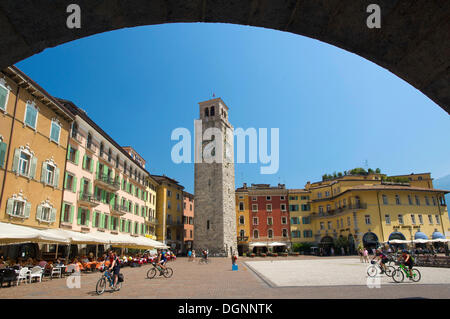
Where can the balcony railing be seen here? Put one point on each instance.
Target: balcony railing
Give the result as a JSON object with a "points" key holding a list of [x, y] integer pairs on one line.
{"points": [[77, 136], [174, 223], [89, 199], [118, 209], [334, 212], [152, 220], [108, 181], [92, 147]]}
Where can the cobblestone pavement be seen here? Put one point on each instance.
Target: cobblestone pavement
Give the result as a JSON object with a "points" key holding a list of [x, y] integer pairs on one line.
{"points": [[216, 280]]}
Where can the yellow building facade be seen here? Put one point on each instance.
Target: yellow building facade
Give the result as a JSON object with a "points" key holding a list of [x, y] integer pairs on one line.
{"points": [[242, 219], [34, 133], [169, 212], [299, 212], [150, 202]]}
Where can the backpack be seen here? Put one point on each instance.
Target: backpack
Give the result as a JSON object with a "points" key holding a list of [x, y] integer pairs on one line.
{"points": [[121, 277]]}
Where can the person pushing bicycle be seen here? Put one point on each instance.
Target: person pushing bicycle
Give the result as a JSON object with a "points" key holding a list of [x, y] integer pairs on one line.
{"points": [[407, 259]]}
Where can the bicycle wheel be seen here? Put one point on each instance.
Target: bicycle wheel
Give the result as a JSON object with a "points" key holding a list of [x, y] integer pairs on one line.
{"points": [[416, 275], [118, 286], [101, 285], [151, 273], [372, 271], [389, 271], [398, 275], [168, 272]]}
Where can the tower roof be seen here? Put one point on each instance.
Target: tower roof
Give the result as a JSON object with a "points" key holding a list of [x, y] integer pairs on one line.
{"points": [[218, 99]]}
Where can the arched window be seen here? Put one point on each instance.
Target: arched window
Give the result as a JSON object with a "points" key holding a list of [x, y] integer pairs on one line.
{"points": [[101, 148], [109, 155], [117, 161], [255, 234], [212, 111], [206, 112], [89, 140]]}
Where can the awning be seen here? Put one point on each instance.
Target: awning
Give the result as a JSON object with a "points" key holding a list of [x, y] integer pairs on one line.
{"points": [[277, 244], [78, 238], [421, 241], [399, 241], [15, 234], [440, 240], [258, 245]]}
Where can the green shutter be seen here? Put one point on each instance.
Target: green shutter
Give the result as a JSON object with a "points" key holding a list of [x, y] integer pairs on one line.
{"points": [[94, 215], [72, 208], [2, 154], [84, 162], [97, 171], [74, 185], [79, 216], [92, 166], [87, 218], [77, 154], [82, 185], [68, 151], [62, 211], [65, 181]]}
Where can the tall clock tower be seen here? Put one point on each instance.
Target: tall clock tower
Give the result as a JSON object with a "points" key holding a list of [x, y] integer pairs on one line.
{"points": [[215, 210]]}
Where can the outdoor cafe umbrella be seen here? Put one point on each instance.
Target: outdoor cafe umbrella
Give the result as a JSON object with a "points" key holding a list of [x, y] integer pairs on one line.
{"points": [[440, 240], [277, 244], [15, 234], [421, 241], [399, 241]]}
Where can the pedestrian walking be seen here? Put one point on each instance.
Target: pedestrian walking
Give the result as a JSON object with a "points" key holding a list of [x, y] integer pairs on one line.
{"points": [[366, 256]]}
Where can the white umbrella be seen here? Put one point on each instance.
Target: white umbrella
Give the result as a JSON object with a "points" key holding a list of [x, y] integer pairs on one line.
{"points": [[277, 244], [11, 234], [399, 241], [440, 240], [78, 238], [421, 241], [258, 245]]}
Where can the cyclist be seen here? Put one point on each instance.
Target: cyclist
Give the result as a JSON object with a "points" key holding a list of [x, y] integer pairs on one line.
{"points": [[408, 261], [115, 267], [162, 259], [381, 256]]}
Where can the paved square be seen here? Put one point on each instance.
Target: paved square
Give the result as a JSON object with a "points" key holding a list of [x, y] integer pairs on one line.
{"points": [[331, 272]]}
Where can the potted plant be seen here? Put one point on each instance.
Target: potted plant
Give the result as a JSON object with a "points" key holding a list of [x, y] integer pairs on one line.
{"points": [[252, 255], [262, 255], [284, 254]]}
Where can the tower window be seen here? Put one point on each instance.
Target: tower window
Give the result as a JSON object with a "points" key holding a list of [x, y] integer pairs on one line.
{"points": [[207, 224], [206, 112], [212, 111]]}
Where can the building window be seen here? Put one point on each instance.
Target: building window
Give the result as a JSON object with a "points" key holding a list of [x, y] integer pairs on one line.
{"points": [[72, 154], [349, 221], [305, 207], [268, 198], [241, 220], [367, 219], [31, 115], [327, 194], [413, 219], [283, 207], [434, 200], [420, 219], [328, 207], [24, 163], [50, 174], [255, 207], [385, 199], [307, 233], [400, 219], [322, 227], [241, 206], [269, 221], [306, 220], [4, 94], [169, 193], [284, 220], [269, 207], [437, 219], [282, 198], [387, 219], [293, 208], [270, 233], [397, 199], [417, 200], [329, 225], [427, 201], [320, 209], [17, 206], [255, 234], [285, 233], [430, 219], [319, 195], [255, 220], [55, 131], [254, 198], [67, 212], [410, 200]]}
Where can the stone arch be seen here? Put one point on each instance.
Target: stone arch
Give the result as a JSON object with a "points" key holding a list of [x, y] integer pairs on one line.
{"points": [[407, 44]]}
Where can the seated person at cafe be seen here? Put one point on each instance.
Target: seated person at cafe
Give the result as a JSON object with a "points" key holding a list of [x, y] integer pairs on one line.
{"points": [[42, 263]]}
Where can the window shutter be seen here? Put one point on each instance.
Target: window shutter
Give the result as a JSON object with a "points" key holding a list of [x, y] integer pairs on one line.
{"points": [[72, 208], [3, 95], [68, 151], [39, 213], [84, 162], [94, 215], [74, 185], [33, 167], [87, 218], [15, 167], [53, 215], [27, 210], [92, 166], [79, 216], [56, 177], [63, 209], [65, 181], [2, 154], [44, 172], [10, 206], [82, 185], [97, 171]]}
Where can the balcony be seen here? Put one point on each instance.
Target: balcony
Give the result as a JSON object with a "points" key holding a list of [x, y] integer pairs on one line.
{"points": [[91, 147], [108, 182], [174, 223], [77, 136], [340, 211], [88, 199], [118, 210], [151, 221], [242, 239]]}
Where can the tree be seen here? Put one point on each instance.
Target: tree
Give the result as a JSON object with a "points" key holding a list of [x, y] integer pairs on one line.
{"points": [[378, 171]]}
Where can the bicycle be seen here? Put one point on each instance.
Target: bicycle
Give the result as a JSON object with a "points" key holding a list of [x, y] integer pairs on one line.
{"points": [[401, 271], [375, 268], [204, 260], [167, 272], [101, 283]]}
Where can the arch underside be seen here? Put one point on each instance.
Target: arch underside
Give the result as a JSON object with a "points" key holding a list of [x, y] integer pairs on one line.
{"points": [[411, 43]]}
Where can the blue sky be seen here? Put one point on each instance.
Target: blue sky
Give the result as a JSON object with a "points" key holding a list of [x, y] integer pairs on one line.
{"points": [[334, 109]]}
